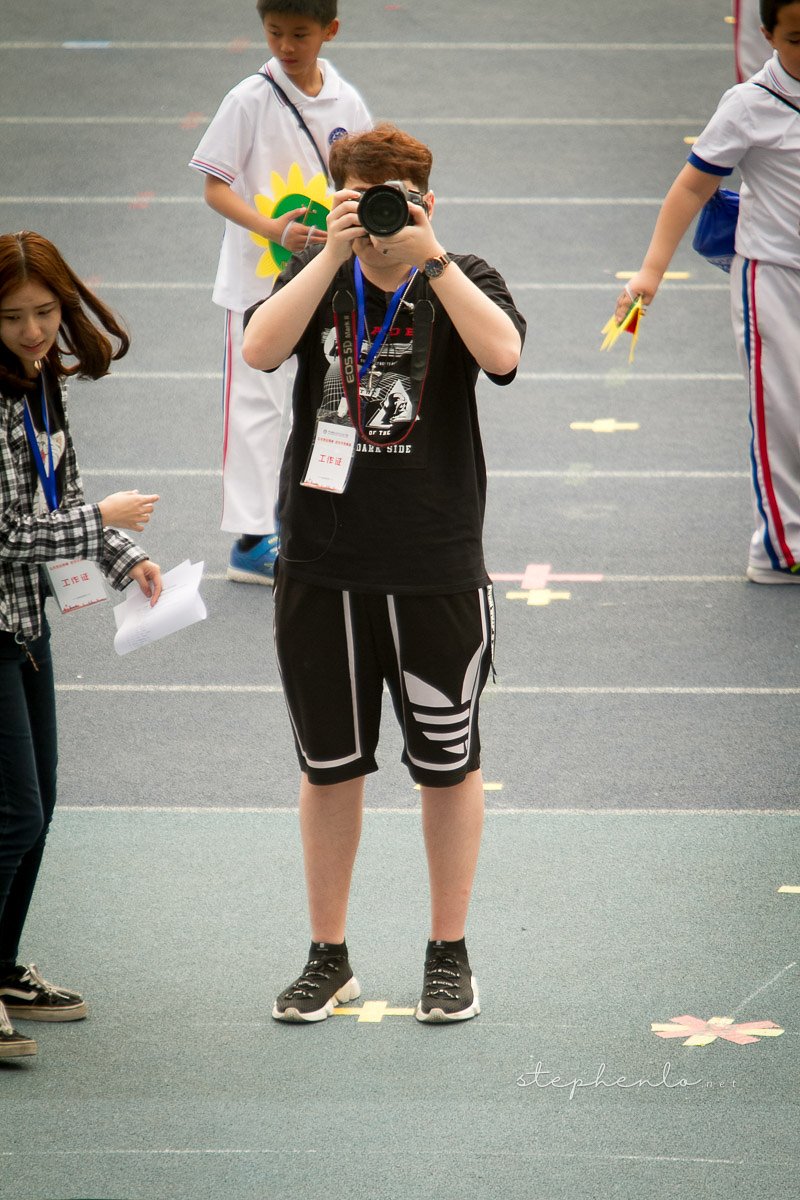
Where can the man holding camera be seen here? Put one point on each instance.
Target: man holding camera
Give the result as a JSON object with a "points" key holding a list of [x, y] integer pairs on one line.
{"points": [[382, 577]]}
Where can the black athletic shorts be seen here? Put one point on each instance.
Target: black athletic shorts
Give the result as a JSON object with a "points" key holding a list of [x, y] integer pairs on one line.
{"points": [[335, 650]]}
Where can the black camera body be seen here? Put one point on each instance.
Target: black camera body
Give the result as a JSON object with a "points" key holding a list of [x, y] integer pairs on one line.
{"points": [[383, 209]]}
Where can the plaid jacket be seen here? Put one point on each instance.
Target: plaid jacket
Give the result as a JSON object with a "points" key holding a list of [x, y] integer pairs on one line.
{"points": [[74, 530]]}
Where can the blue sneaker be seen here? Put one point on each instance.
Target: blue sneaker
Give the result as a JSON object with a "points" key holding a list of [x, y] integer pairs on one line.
{"points": [[256, 565]]}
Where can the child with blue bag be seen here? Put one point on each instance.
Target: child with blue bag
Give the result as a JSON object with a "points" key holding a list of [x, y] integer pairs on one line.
{"points": [[756, 128]]}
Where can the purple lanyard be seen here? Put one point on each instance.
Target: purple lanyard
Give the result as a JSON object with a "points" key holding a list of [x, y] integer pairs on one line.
{"points": [[48, 480]]}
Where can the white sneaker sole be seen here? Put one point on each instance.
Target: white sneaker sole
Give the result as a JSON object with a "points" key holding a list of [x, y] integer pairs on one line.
{"points": [[350, 991], [767, 575], [22, 1012], [438, 1016], [20, 1049]]}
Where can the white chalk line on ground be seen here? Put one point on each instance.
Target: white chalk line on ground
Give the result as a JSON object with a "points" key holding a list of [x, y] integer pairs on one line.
{"points": [[499, 473], [403, 122], [608, 286], [274, 689], [147, 199], [583, 1156], [614, 377], [481, 47], [415, 811], [221, 577], [763, 988]]}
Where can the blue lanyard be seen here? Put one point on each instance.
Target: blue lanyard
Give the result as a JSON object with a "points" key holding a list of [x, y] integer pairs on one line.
{"points": [[48, 480], [391, 312]]}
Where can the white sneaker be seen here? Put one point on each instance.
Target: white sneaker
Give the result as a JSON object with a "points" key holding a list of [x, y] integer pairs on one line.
{"points": [[772, 575]]}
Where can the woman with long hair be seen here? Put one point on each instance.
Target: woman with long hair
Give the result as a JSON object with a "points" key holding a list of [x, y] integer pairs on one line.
{"points": [[51, 327]]}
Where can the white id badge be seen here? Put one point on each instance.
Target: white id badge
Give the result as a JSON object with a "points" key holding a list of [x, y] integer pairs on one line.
{"points": [[331, 458], [76, 583]]}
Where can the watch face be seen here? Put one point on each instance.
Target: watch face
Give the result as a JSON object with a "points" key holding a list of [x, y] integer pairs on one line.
{"points": [[433, 268]]}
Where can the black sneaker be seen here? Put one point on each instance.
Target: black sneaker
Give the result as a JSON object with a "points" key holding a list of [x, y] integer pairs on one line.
{"points": [[449, 990], [13, 1044], [28, 997], [327, 979]]}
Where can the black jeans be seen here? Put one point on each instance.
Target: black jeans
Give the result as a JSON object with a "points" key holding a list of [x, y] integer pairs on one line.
{"points": [[28, 760]]}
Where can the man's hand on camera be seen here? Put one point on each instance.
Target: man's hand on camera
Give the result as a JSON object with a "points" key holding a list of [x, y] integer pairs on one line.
{"points": [[343, 225], [413, 244]]}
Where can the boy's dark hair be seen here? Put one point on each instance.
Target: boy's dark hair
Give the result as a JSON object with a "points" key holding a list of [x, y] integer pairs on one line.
{"points": [[378, 154], [769, 10], [321, 11]]}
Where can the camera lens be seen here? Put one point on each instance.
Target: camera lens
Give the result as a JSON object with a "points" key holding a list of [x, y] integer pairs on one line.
{"points": [[383, 210]]}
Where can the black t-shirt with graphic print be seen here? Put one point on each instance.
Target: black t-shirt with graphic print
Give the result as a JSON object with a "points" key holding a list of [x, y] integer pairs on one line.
{"points": [[411, 518]]}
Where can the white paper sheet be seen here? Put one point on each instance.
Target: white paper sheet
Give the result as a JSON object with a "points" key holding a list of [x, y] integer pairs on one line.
{"points": [[179, 605]]}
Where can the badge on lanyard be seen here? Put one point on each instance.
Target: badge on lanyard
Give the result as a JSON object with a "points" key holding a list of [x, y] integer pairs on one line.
{"points": [[331, 458], [77, 582], [349, 318]]}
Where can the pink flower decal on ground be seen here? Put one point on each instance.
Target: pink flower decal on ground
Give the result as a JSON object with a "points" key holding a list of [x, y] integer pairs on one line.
{"points": [[701, 1033]]}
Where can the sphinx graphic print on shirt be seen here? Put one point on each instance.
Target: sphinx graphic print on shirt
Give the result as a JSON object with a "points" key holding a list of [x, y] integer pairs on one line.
{"points": [[391, 421]]}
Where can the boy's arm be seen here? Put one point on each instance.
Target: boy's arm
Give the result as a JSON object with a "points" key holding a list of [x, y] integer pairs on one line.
{"points": [[220, 196], [690, 191]]}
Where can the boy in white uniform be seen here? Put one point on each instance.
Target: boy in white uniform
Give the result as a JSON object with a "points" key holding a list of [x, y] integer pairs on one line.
{"points": [[750, 47], [757, 129], [287, 115]]}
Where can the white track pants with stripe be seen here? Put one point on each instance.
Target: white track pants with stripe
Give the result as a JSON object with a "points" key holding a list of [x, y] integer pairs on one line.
{"points": [[765, 309], [253, 404]]}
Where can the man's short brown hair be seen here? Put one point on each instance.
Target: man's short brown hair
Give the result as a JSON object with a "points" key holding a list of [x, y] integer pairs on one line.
{"points": [[378, 154]]}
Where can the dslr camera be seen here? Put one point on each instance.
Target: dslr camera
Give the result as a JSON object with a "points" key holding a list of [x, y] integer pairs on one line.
{"points": [[383, 209]]}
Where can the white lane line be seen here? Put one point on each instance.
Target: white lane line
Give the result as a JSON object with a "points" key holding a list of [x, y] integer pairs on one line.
{"points": [[503, 473], [154, 472], [614, 377], [583, 1156], [764, 986], [217, 576], [500, 473], [270, 689], [403, 122], [216, 375], [221, 576], [668, 285], [415, 810], [674, 579], [481, 47], [470, 201], [620, 378], [147, 285]]}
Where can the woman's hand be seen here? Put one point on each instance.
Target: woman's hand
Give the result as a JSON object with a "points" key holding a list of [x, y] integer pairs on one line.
{"points": [[148, 576], [127, 510]]}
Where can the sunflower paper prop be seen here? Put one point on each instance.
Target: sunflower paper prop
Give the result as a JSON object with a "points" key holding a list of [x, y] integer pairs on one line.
{"points": [[288, 194]]}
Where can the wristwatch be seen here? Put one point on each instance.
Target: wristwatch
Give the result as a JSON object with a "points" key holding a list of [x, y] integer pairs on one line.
{"points": [[434, 267]]}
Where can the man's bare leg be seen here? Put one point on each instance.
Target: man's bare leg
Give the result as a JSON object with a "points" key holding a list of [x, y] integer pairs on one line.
{"points": [[452, 823], [330, 826]]}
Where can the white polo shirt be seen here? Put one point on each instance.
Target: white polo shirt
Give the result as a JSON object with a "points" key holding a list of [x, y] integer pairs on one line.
{"points": [[760, 135], [255, 134]]}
